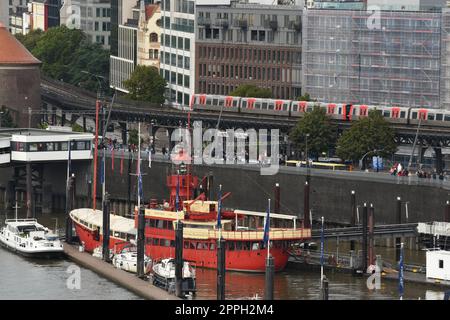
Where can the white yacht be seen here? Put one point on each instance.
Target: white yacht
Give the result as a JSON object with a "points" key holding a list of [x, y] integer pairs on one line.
{"points": [[28, 237], [164, 276], [127, 260]]}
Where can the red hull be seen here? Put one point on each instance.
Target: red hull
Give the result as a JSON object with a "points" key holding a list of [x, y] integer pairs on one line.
{"points": [[90, 243], [243, 260], [239, 260]]}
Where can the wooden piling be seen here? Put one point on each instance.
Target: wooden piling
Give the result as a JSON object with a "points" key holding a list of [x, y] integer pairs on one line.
{"points": [[269, 280], [106, 228], [221, 269]]}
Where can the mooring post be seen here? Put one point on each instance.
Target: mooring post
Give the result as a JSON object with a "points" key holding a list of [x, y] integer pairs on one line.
{"points": [[324, 288], [364, 239], [306, 216], [130, 210], [179, 259], [277, 198], [221, 269], [398, 240], [106, 228], [69, 207], [371, 243], [447, 212], [270, 271], [210, 186], [89, 194], [353, 215], [141, 241]]}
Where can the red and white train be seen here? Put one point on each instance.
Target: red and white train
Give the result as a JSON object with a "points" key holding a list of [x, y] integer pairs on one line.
{"points": [[338, 111]]}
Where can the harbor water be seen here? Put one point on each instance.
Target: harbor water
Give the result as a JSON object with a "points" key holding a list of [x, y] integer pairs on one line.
{"points": [[27, 278]]}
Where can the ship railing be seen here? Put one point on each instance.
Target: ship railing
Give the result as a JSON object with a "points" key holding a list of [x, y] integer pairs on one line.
{"points": [[277, 234], [21, 220]]}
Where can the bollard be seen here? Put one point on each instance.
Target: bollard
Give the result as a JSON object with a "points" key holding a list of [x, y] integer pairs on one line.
{"points": [[221, 269], [364, 239], [277, 198], [270, 271], [106, 228], [306, 218], [353, 216], [398, 215], [141, 241], [179, 259], [324, 288]]}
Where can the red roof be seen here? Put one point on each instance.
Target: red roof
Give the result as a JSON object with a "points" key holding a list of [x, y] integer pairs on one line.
{"points": [[150, 9], [12, 51]]}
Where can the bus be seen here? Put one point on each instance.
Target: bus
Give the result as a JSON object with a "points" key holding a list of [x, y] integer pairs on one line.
{"points": [[319, 165]]}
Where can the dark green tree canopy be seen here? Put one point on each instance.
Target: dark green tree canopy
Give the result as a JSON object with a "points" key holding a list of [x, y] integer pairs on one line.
{"points": [[145, 84], [367, 134], [248, 90], [321, 132], [305, 97], [65, 53]]}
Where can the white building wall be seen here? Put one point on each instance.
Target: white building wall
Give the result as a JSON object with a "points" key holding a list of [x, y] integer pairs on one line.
{"points": [[4, 13]]}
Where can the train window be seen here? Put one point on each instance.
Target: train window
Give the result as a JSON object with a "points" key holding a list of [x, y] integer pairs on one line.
{"points": [[208, 101], [271, 106], [386, 113], [339, 110], [244, 104], [264, 105], [221, 103], [414, 115], [257, 105], [430, 116], [439, 116], [285, 107], [215, 102], [235, 103], [295, 108], [447, 117], [403, 114], [354, 112], [309, 109]]}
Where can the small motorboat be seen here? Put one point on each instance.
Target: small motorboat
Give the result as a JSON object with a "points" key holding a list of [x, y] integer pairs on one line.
{"points": [[127, 260], [98, 253], [29, 238], [164, 276]]}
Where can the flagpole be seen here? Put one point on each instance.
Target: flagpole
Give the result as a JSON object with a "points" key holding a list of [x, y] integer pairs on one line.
{"points": [[321, 254], [268, 238], [139, 164], [400, 273], [219, 209]]}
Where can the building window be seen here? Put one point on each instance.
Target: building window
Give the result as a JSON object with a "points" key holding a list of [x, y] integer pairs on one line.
{"points": [[153, 37], [187, 64], [180, 79], [173, 59], [180, 61], [441, 264], [187, 44], [186, 81], [180, 43]]}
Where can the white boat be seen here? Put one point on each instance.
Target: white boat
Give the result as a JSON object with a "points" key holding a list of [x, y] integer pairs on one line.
{"points": [[28, 237], [98, 253], [127, 260], [164, 276]]}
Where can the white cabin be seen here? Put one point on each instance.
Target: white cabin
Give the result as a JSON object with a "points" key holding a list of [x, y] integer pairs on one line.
{"points": [[438, 264]]}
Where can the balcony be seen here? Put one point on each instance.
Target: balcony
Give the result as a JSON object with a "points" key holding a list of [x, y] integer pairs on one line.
{"points": [[273, 24], [241, 23], [206, 22], [223, 23]]}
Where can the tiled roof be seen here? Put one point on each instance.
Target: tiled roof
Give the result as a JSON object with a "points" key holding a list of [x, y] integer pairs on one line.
{"points": [[12, 51], [150, 9]]}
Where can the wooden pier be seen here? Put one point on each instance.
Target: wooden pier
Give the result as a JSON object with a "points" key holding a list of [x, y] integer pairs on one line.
{"points": [[127, 280]]}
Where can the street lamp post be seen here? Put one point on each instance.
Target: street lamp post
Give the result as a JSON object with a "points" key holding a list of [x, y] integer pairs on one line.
{"points": [[307, 159]]}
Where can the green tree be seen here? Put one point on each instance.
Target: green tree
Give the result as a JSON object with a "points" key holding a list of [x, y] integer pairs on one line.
{"points": [[321, 133], [305, 97], [30, 39], [146, 84], [77, 128], [65, 53], [248, 90], [367, 134], [6, 118]]}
